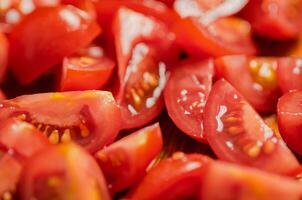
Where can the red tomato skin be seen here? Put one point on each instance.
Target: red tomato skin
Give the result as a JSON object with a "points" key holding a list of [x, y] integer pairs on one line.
{"points": [[125, 161], [228, 67], [237, 182], [289, 74], [4, 48], [181, 79], [31, 54], [233, 140], [289, 120], [178, 177]]}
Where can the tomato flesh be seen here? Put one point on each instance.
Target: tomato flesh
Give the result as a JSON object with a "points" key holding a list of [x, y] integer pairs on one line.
{"points": [[90, 118], [186, 94], [34, 50], [257, 81], [125, 161], [3, 55], [238, 134]]}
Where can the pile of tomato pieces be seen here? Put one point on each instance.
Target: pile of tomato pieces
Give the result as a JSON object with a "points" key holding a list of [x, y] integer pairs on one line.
{"points": [[149, 99]]}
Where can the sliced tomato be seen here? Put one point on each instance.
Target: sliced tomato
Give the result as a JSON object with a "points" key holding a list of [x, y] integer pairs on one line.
{"points": [[144, 55], [257, 81], [290, 120], [90, 118], [86, 70], [289, 73], [203, 36], [34, 50], [178, 177], [3, 55], [56, 173], [125, 162], [237, 182], [296, 173], [86, 5], [186, 94], [274, 19], [238, 134]]}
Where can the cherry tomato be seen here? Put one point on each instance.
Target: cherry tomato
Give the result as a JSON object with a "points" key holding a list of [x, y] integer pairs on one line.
{"points": [[202, 36], [86, 70], [143, 55], [289, 119], [56, 173], [289, 74], [90, 118], [237, 133], [3, 55], [237, 182], [257, 80], [274, 19], [125, 161], [35, 49], [186, 94], [178, 177]]}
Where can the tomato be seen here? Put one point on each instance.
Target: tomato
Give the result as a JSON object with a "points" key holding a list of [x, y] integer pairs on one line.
{"points": [[289, 119], [229, 35], [274, 19], [237, 182], [144, 55], [238, 134], [125, 161], [3, 55], [289, 73], [178, 177], [56, 173], [90, 118], [186, 93], [34, 50], [86, 70], [257, 81], [86, 5], [296, 173]]}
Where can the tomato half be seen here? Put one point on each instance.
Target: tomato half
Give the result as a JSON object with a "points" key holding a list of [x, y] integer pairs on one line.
{"points": [[186, 94], [257, 81], [237, 182], [290, 120], [125, 162], [144, 55], [86, 70], [56, 173], [274, 19], [35, 49], [90, 118], [289, 73], [238, 134], [218, 37], [3, 55], [178, 177]]}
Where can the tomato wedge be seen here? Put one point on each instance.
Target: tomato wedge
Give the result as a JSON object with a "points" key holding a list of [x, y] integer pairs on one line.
{"points": [[143, 58], [202, 37], [237, 182], [290, 120], [34, 50], [3, 55], [178, 177], [274, 19], [56, 173], [125, 161], [90, 118], [88, 69], [186, 94], [289, 74], [238, 134], [257, 81]]}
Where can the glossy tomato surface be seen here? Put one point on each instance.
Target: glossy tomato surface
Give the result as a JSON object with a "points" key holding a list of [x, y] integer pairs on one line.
{"points": [[125, 162], [56, 174], [238, 134], [35, 49], [257, 81], [90, 118], [4, 45], [186, 95]]}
